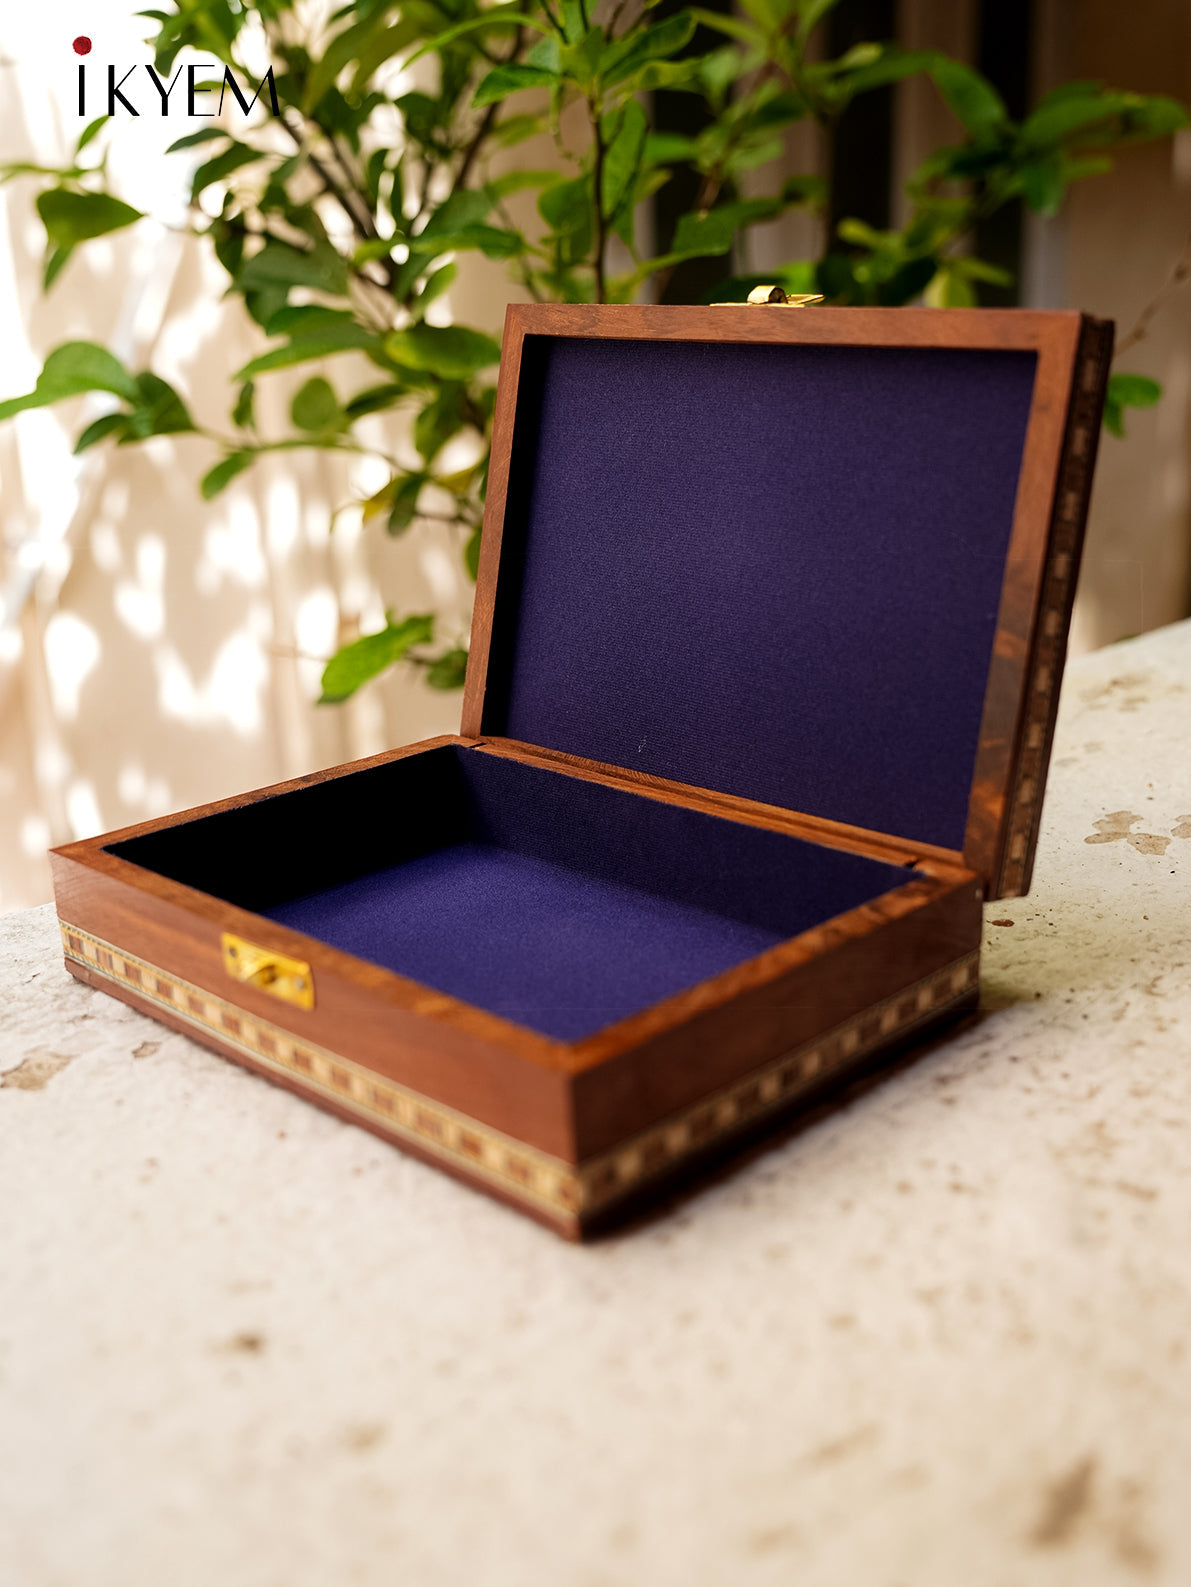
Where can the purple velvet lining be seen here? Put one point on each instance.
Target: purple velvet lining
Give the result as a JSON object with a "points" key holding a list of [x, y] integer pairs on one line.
{"points": [[769, 570], [566, 905], [559, 903], [550, 947]]}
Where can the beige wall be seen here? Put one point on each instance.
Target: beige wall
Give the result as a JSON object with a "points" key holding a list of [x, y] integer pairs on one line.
{"points": [[1123, 235]]}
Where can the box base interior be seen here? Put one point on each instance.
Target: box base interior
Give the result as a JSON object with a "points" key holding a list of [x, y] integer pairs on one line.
{"points": [[561, 904]]}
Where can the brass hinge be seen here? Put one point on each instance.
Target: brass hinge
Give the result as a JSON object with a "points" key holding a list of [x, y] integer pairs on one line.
{"points": [[777, 297], [275, 973]]}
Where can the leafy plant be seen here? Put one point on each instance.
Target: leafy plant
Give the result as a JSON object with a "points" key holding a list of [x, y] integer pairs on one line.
{"points": [[339, 219]]}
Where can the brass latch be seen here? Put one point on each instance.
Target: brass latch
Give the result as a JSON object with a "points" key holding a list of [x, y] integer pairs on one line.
{"points": [[777, 296], [275, 973]]}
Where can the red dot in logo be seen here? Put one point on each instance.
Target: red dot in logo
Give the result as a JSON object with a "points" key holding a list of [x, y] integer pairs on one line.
{"points": [[82, 45]]}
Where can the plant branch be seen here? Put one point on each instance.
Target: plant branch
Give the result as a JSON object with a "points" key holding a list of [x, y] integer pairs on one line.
{"points": [[1180, 273], [601, 241], [473, 148], [360, 219]]}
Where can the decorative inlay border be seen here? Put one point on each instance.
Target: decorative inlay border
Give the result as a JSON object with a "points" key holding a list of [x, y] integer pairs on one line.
{"points": [[747, 1102], [1054, 617], [524, 1172]]}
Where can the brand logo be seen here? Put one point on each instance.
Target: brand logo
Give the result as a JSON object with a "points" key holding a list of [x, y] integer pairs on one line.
{"points": [[195, 89]]}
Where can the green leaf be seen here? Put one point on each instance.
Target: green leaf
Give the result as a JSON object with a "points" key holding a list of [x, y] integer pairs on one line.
{"points": [[517, 181], [547, 53], [892, 66], [109, 424], [1155, 117], [971, 97], [1043, 183], [89, 132], [566, 206], [438, 421], [1134, 391], [224, 472], [159, 410], [307, 319], [574, 21], [712, 232], [622, 159], [669, 148], [396, 501], [471, 555], [435, 286], [948, 289], [277, 264], [71, 369], [316, 407], [734, 27], [448, 671], [452, 351], [463, 209], [192, 139], [222, 166], [244, 412], [496, 16], [54, 265], [1127, 391], [403, 508], [1054, 121], [320, 343], [515, 129], [492, 241], [642, 46], [70, 218], [357, 663], [505, 80], [422, 116], [375, 399]]}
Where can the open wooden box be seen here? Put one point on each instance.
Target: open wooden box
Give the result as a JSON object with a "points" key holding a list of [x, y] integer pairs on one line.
{"points": [[771, 617]]}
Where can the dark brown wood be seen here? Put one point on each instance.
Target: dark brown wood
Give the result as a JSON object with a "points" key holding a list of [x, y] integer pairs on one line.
{"points": [[569, 1132], [504, 1075], [666, 1057], [550, 1095], [1017, 674], [1048, 654], [500, 462]]}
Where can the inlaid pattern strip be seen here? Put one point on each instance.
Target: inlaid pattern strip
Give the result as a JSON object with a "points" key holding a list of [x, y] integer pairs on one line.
{"points": [[1054, 617], [522, 1171], [532, 1175]]}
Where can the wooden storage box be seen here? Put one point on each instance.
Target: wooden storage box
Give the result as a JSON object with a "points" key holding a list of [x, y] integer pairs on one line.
{"points": [[770, 623]]}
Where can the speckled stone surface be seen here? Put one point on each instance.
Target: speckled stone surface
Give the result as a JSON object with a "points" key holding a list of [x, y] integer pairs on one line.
{"points": [[936, 1339]]}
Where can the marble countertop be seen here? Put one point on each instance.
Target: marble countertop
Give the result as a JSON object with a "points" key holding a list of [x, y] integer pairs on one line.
{"points": [[937, 1338]]}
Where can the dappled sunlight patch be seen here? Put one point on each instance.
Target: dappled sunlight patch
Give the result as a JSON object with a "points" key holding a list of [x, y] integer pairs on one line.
{"points": [[82, 809], [147, 795], [232, 549], [140, 602], [231, 695], [72, 652], [34, 835]]}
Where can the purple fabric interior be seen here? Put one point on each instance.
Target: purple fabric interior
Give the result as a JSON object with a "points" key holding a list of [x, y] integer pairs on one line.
{"points": [[769, 570], [560, 904]]}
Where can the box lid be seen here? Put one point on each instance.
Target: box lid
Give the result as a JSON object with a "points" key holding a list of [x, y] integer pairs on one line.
{"points": [[821, 559]]}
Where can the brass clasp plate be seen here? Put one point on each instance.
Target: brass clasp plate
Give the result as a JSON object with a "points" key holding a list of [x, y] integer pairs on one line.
{"points": [[776, 296], [275, 973]]}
